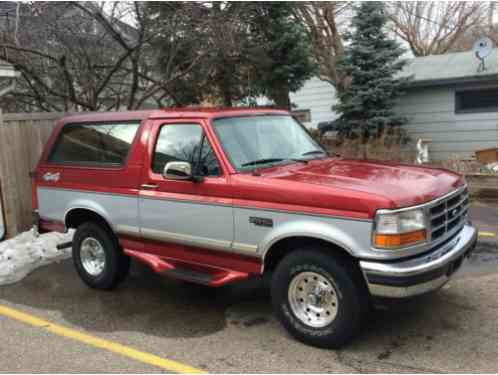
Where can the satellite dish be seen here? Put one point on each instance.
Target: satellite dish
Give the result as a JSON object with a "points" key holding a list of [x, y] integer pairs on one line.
{"points": [[482, 48]]}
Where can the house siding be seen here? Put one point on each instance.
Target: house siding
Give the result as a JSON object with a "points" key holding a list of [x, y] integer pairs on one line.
{"points": [[430, 112], [317, 96], [431, 115]]}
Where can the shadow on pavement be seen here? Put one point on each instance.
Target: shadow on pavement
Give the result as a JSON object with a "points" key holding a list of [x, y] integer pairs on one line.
{"points": [[145, 302]]}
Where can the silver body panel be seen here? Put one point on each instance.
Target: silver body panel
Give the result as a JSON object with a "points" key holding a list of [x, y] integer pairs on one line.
{"points": [[120, 211], [349, 234], [189, 223], [219, 227]]}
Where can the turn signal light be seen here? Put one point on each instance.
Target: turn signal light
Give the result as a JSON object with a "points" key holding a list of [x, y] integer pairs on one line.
{"points": [[399, 240]]}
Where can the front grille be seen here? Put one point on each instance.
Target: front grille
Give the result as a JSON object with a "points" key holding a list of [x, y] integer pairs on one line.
{"points": [[448, 214]]}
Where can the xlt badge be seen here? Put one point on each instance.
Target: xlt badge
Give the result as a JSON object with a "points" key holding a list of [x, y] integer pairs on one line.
{"points": [[261, 221]]}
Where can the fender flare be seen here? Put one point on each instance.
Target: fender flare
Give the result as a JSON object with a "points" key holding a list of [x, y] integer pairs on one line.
{"points": [[83, 204], [311, 229]]}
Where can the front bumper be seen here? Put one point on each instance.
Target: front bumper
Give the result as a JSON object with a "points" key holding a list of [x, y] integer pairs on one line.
{"points": [[422, 274]]}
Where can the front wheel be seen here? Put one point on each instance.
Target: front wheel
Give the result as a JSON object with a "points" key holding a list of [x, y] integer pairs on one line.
{"points": [[321, 300]]}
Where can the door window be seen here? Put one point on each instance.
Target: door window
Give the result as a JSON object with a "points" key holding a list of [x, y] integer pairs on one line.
{"points": [[185, 142]]}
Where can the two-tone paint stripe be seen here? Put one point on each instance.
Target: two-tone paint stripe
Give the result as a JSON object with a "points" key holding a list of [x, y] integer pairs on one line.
{"points": [[242, 204]]}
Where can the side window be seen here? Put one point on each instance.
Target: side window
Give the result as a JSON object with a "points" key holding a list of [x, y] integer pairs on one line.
{"points": [[185, 142], [483, 100], [94, 143]]}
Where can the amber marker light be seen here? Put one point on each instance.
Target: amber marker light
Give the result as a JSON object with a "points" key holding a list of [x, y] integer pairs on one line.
{"points": [[400, 240]]}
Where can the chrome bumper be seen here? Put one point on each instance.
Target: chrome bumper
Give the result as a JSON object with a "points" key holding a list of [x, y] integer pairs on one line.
{"points": [[421, 274]]}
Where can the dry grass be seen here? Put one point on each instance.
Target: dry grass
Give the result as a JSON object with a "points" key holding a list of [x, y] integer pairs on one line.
{"points": [[386, 147]]}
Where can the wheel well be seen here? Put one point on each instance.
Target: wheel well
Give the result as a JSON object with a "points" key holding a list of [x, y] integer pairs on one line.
{"points": [[285, 246], [78, 216]]}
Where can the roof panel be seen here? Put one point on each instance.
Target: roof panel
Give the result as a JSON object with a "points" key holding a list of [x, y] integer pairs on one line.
{"points": [[460, 66]]}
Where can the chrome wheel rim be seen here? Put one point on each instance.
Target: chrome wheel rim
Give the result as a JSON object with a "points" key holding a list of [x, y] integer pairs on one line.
{"points": [[313, 299], [92, 256]]}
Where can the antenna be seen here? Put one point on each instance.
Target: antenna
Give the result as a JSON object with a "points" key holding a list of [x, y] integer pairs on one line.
{"points": [[482, 48]]}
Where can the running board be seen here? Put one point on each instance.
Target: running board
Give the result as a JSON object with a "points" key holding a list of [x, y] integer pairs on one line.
{"points": [[196, 273], [189, 275]]}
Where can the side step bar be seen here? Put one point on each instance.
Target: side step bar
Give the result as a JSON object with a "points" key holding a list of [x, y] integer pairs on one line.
{"points": [[189, 275], [199, 274]]}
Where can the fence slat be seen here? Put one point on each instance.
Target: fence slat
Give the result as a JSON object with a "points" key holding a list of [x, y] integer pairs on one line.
{"points": [[22, 139]]}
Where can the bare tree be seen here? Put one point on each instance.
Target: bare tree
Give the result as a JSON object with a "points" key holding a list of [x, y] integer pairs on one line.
{"points": [[492, 29], [436, 27], [323, 22], [87, 56]]}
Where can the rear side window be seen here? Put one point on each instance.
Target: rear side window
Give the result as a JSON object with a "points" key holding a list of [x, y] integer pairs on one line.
{"points": [[106, 144]]}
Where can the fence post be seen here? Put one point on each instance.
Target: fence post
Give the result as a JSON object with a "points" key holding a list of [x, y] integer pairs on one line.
{"points": [[2, 221]]}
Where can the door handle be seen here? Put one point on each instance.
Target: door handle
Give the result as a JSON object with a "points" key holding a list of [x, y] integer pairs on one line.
{"points": [[149, 186]]}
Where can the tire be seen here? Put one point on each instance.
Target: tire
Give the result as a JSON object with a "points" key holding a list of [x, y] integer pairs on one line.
{"points": [[320, 299], [107, 265]]}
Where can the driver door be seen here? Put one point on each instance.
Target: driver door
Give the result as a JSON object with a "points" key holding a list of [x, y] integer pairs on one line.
{"points": [[184, 212]]}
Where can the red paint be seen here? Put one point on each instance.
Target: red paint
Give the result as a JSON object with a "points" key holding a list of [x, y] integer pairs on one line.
{"points": [[51, 226], [340, 187], [330, 187], [153, 261], [203, 257], [160, 264]]}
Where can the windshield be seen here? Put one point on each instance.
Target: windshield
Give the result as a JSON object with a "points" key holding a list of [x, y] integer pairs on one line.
{"points": [[254, 141]]}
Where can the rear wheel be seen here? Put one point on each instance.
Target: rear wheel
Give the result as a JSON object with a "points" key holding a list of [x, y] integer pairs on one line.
{"points": [[321, 300], [98, 258]]}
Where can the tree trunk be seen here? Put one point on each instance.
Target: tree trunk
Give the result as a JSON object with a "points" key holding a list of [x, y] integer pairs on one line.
{"points": [[281, 98], [226, 90]]}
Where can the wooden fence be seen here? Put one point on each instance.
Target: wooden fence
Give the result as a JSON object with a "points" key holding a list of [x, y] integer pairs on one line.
{"points": [[22, 138]]}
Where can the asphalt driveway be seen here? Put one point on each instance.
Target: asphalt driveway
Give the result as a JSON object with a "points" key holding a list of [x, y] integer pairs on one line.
{"points": [[231, 329]]}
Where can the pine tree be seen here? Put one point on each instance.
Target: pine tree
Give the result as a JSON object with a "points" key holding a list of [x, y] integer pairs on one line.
{"points": [[281, 53], [370, 62]]}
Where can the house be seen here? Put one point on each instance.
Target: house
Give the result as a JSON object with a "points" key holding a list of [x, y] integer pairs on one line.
{"points": [[449, 102]]}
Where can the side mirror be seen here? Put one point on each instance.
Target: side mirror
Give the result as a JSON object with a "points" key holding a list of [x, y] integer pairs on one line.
{"points": [[178, 170]]}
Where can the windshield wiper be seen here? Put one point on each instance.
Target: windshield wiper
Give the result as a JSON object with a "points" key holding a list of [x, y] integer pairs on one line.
{"points": [[273, 160], [314, 152], [262, 161]]}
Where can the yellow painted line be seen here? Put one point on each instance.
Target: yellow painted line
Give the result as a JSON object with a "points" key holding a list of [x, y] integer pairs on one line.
{"points": [[487, 234], [126, 351]]}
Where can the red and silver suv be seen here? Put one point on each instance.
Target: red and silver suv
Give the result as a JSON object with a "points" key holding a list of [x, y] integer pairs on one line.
{"points": [[216, 196]]}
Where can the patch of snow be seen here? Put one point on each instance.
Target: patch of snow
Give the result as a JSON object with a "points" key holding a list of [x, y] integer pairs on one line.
{"points": [[27, 251]]}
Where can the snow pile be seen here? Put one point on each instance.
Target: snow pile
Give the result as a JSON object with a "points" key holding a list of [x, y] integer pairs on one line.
{"points": [[27, 251]]}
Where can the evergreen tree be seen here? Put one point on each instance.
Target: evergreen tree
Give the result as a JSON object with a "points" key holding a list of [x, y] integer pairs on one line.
{"points": [[281, 52], [248, 49], [370, 62]]}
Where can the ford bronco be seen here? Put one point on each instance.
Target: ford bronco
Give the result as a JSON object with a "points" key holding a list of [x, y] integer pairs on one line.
{"points": [[214, 196]]}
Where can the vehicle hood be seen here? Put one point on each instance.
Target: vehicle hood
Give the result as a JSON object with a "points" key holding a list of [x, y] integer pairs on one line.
{"points": [[403, 185]]}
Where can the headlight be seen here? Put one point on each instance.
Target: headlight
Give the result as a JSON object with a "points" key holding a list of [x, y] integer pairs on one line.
{"points": [[399, 229]]}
